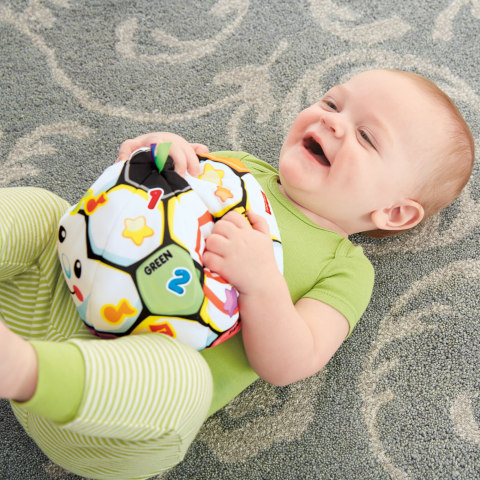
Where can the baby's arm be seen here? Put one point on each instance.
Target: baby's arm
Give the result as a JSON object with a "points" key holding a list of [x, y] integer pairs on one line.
{"points": [[284, 342], [183, 153]]}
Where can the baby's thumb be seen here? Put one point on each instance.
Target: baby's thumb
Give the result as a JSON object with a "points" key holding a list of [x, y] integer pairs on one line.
{"points": [[125, 150]]}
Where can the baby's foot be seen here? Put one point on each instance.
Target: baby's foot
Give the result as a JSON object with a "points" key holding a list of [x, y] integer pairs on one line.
{"points": [[18, 366]]}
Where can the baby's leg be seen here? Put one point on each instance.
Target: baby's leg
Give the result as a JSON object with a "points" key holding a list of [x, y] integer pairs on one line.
{"points": [[28, 221], [144, 396], [29, 270], [28, 225], [18, 366]]}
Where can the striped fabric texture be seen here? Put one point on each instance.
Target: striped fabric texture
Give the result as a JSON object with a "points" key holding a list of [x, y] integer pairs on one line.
{"points": [[145, 396]]}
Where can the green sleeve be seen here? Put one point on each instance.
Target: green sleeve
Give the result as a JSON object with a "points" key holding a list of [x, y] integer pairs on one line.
{"points": [[347, 283], [61, 379]]}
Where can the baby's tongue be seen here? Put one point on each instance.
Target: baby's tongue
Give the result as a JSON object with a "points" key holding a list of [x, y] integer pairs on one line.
{"points": [[316, 150]]}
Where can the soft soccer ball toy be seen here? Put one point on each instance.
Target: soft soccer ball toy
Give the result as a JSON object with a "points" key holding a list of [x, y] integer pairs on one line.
{"points": [[131, 249]]}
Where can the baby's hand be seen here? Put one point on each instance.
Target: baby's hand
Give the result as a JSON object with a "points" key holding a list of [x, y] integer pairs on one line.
{"points": [[183, 153], [241, 251]]}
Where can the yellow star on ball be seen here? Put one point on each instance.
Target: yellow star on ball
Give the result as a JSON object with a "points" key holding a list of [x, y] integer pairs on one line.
{"points": [[212, 175], [136, 229]]}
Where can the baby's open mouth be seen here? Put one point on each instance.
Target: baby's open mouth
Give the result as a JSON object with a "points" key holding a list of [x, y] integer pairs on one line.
{"points": [[316, 150]]}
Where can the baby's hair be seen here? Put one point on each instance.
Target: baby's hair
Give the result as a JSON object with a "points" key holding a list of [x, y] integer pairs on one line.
{"points": [[442, 183]]}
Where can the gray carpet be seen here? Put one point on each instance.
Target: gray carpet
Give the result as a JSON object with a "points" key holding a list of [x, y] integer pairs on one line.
{"points": [[400, 400]]}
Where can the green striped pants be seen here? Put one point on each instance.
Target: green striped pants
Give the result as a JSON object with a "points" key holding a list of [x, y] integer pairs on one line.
{"points": [[144, 397]]}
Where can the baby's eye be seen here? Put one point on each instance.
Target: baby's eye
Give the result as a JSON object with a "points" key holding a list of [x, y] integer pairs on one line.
{"points": [[365, 136], [330, 104]]}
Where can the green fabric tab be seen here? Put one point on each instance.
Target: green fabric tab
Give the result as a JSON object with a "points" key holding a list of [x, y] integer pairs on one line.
{"points": [[61, 381], [231, 371], [160, 153]]}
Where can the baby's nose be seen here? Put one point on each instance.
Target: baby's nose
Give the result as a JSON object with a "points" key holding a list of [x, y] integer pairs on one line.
{"points": [[334, 123]]}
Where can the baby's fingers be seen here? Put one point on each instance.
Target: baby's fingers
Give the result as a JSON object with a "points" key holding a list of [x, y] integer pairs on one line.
{"points": [[200, 148], [258, 222], [193, 163], [142, 141], [184, 159]]}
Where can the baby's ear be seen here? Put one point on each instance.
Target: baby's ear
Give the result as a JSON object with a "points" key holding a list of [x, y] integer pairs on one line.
{"points": [[401, 216]]}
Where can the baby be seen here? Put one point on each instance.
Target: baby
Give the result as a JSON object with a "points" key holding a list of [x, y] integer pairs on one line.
{"points": [[377, 154]]}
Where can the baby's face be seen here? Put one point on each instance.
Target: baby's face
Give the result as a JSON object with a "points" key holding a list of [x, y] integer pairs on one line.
{"points": [[359, 149]]}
